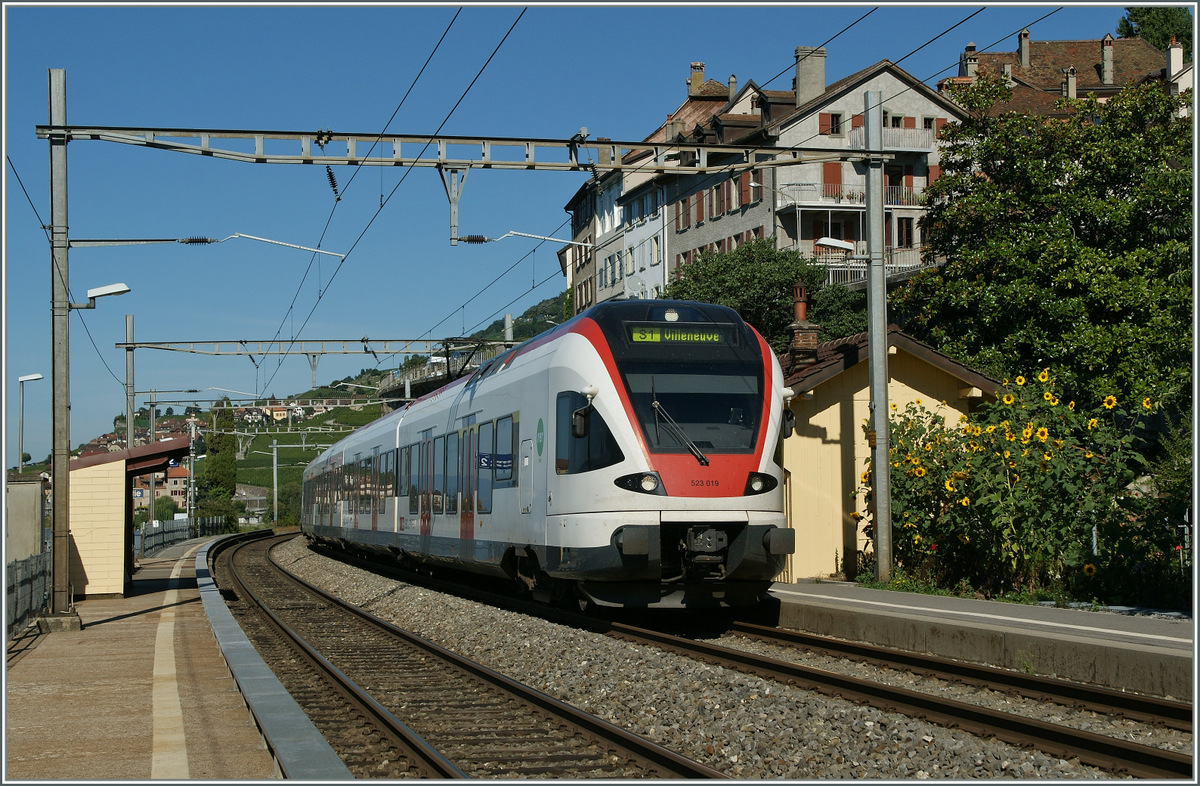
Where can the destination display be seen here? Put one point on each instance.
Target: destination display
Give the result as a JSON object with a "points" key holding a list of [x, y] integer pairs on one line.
{"points": [[679, 334]]}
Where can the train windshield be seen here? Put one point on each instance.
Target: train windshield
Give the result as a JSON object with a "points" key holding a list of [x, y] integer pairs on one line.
{"points": [[694, 375]]}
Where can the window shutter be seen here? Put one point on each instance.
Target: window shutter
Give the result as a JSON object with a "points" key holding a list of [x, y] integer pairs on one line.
{"points": [[824, 123], [935, 172], [937, 125], [744, 187], [699, 207], [910, 122], [858, 120]]}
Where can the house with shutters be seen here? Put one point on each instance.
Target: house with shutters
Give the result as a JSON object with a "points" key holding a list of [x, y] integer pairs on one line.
{"points": [[645, 228]]}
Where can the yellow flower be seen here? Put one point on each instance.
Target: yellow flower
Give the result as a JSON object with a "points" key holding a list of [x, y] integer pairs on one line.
{"points": [[1054, 401], [919, 403], [1048, 395], [1042, 434], [865, 476], [893, 405], [1016, 477], [965, 501], [1146, 403], [1091, 423], [1110, 402], [1020, 380], [1027, 432], [1089, 569], [856, 516], [1046, 456], [1044, 376], [916, 539], [1012, 465], [949, 486], [1071, 406], [929, 446], [1089, 454], [990, 429], [964, 538], [919, 472], [1008, 399]]}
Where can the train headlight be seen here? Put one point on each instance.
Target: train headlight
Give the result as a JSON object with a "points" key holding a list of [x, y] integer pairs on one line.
{"points": [[642, 482], [759, 483]]}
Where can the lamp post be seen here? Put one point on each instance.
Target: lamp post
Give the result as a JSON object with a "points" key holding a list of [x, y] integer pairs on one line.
{"points": [[21, 419]]}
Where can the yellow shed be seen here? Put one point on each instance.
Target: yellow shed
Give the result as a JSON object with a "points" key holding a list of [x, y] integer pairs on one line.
{"points": [[825, 457], [101, 514]]}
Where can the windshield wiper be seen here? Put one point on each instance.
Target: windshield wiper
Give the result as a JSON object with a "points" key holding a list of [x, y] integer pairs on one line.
{"points": [[673, 428]]}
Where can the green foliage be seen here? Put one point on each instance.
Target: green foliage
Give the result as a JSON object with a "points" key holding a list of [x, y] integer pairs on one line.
{"points": [[1157, 24], [756, 280], [1032, 494], [165, 509], [1068, 243], [219, 483]]}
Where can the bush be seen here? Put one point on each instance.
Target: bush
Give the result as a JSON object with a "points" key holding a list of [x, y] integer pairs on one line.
{"points": [[1031, 496]]}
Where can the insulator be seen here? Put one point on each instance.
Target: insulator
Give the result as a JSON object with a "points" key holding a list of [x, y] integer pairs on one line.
{"points": [[197, 241], [332, 181], [473, 239]]}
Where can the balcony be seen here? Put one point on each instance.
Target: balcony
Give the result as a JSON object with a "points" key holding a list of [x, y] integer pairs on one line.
{"points": [[825, 195], [915, 140]]}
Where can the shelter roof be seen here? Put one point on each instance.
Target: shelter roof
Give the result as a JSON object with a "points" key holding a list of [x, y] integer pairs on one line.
{"points": [[142, 459]]}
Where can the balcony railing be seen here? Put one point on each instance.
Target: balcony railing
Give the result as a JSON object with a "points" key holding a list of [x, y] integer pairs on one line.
{"points": [[827, 194], [916, 139]]}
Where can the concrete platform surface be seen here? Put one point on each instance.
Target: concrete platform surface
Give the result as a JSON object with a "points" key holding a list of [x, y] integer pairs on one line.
{"points": [[1139, 652], [141, 692]]}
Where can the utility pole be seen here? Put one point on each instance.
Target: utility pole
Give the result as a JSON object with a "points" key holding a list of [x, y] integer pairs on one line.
{"points": [[877, 337], [275, 481], [191, 489], [150, 441], [129, 382], [60, 310]]}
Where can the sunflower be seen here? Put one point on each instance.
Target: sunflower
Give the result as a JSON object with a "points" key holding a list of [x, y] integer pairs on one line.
{"points": [[1089, 569], [1089, 454], [919, 472], [949, 486], [1092, 423], [1071, 406], [1042, 434], [1146, 403], [1048, 395], [1044, 376], [893, 405], [1054, 401], [965, 502], [1020, 380], [1008, 398], [1110, 402], [1047, 456]]}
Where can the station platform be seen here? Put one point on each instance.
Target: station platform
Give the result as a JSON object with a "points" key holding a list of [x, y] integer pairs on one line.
{"points": [[1133, 650], [141, 692]]}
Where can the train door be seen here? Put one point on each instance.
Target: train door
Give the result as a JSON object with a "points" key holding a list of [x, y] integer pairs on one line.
{"points": [[470, 478], [425, 481], [373, 491], [525, 479]]}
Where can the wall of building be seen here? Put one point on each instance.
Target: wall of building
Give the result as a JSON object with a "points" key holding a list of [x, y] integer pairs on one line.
{"points": [[23, 500], [97, 526]]}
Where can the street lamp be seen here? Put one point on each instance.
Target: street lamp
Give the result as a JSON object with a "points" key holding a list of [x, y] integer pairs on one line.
{"points": [[104, 291], [21, 419]]}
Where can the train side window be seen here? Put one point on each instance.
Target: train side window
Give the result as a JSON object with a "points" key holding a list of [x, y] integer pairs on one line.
{"points": [[594, 450], [439, 474], [366, 486], [504, 453], [452, 473], [487, 451], [415, 465]]}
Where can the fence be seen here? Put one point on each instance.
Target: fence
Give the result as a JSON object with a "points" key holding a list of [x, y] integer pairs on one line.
{"points": [[150, 540], [27, 591]]}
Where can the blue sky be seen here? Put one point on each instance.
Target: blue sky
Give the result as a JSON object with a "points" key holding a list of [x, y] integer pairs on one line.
{"points": [[617, 70]]}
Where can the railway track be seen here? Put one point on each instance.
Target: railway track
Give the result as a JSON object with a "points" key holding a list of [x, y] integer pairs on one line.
{"points": [[1106, 752], [1103, 751], [408, 707]]}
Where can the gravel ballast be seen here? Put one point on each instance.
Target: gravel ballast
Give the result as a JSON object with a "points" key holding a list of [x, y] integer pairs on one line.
{"points": [[744, 726]]}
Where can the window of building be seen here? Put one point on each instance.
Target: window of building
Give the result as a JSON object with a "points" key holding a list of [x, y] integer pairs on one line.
{"points": [[927, 123], [655, 251], [897, 121], [904, 233], [835, 123]]}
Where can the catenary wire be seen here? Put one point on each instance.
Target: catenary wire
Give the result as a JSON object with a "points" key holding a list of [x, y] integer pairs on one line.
{"points": [[376, 214]]}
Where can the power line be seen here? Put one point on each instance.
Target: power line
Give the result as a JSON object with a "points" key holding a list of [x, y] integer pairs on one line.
{"points": [[401, 182]]}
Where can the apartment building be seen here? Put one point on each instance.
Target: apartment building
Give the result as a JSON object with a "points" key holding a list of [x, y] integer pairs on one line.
{"points": [[647, 226]]}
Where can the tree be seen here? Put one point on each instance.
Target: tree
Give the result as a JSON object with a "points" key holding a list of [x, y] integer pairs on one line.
{"points": [[1068, 244], [165, 509], [220, 467], [1157, 25], [756, 280]]}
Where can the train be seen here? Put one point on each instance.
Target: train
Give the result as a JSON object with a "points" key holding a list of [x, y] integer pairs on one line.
{"points": [[628, 457]]}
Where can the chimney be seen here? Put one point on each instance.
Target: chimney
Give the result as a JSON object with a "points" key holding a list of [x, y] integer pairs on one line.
{"points": [[1174, 58], [968, 64], [696, 79], [810, 73], [1106, 59], [1023, 48], [804, 333], [1068, 86], [732, 88], [1008, 80]]}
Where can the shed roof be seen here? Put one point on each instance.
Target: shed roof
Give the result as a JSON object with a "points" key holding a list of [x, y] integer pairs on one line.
{"points": [[140, 460], [834, 357]]}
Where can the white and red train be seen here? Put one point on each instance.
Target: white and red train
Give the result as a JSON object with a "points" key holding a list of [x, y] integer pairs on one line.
{"points": [[628, 457]]}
